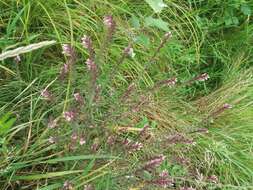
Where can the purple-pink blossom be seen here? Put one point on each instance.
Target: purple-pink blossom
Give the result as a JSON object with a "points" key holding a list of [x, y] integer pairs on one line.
{"points": [[69, 115]]}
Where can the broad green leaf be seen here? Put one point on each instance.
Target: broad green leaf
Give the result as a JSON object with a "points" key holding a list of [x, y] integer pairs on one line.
{"points": [[143, 40], [134, 21], [156, 5], [246, 10], [6, 123], [156, 22]]}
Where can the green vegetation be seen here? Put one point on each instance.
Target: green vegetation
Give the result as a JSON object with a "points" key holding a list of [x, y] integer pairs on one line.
{"points": [[147, 110]]}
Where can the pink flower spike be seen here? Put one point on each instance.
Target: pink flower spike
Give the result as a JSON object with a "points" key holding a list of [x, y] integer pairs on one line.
{"points": [[74, 136], [67, 50], [155, 162], [171, 82], [164, 174], [90, 64], [227, 106], [86, 42], [52, 123], [168, 35], [17, 59], [52, 140], [108, 21], [82, 141], [69, 115], [203, 77], [46, 94], [78, 98]]}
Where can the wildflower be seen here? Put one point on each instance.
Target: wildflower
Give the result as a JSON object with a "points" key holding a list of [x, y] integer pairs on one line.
{"points": [[179, 138], [78, 98], [213, 179], [46, 94], [88, 187], [74, 136], [17, 59], [111, 140], [95, 145], [201, 130], [67, 50], [163, 182], [64, 70], [167, 35], [164, 174], [52, 140], [52, 123], [144, 132], [202, 77], [67, 186], [82, 141], [128, 51], [155, 162], [91, 64], [171, 82], [69, 115], [135, 147], [126, 142], [187, 188], [109, 22], [86, 42], [227, 106]]}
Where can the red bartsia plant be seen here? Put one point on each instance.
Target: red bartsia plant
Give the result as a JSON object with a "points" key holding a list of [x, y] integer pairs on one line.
{"points": [[84, 107]]}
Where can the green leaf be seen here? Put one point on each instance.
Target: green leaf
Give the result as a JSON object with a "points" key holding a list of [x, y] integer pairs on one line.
{"points": [[246, 10], [156, 5], [143, 40], [134, 21], [6, 123], [156, 22]]}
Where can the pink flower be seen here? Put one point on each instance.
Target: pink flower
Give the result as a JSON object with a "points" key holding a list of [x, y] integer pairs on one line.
{"points": [[52, 140], [82, 141], [171, 82], [17, 59], [86, 42], [163, 182], [108, 21], [67, 50], [129, 52], [155, 162], [46, 94], [69, 115], [164, 174], [111, 140], [88, 187], [91, 64], [74, 136], [203, 77], [52, 123], [67, 186], [227, 106], [213, 179], [78, 98], [168, 35]]}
